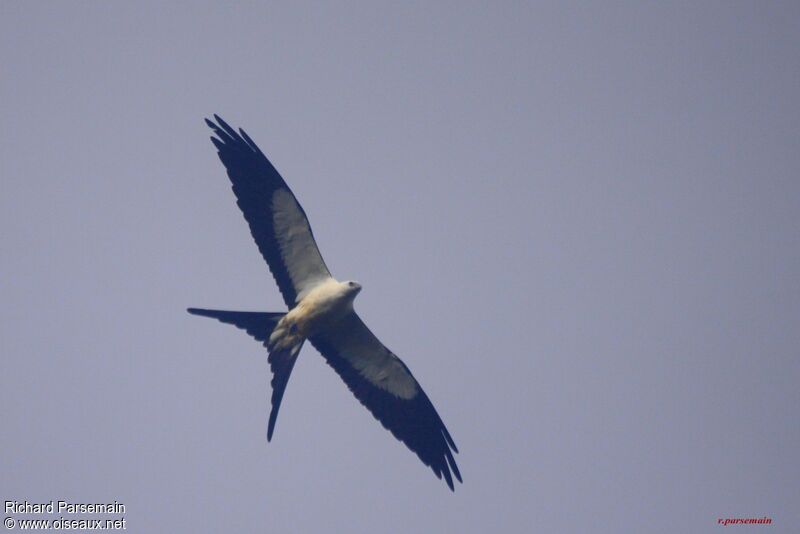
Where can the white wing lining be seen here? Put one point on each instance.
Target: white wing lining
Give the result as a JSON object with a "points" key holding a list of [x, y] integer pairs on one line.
{"points": [[300, 254], [373, 361]]}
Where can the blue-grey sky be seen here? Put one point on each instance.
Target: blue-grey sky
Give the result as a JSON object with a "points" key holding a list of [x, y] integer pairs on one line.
{"points": [[577, 223]]}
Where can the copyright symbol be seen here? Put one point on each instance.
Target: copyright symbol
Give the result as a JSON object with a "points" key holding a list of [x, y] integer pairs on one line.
{"points": [[9, 523]]}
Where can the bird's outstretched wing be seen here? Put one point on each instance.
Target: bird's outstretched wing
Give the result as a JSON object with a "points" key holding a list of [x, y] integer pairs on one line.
{"points": [[277, 222], [382, 382]]}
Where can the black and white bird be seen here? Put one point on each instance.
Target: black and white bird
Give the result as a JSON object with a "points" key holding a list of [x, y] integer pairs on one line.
{"points": [[321, 310]]}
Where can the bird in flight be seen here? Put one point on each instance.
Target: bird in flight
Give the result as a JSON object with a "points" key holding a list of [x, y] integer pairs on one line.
{"points": [[320, 310]]}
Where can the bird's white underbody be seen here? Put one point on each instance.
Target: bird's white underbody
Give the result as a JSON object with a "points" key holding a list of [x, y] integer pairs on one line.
{"points": [[324, 305]]}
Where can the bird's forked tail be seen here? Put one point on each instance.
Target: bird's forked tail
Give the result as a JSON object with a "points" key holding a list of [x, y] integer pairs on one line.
{"points": [[283, 348]]}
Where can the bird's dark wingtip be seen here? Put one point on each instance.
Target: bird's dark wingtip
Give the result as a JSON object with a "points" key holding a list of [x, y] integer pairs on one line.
{"points": [[451, 463], [224, 125], [217, 143], [249, 141], [449, 438]]}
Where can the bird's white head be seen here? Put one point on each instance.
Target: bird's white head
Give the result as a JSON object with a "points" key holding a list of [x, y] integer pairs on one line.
{"points": [[351, 288]]}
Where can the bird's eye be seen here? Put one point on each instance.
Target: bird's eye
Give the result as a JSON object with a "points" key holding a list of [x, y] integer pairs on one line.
{"points": [[351, 284]]}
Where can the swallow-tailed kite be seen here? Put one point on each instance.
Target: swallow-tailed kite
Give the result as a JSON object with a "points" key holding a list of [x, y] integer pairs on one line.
{"points": [[320, 310]]}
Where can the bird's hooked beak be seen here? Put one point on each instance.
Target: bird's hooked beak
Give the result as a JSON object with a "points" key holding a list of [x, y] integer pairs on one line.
{"points": [[354, 288]]}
